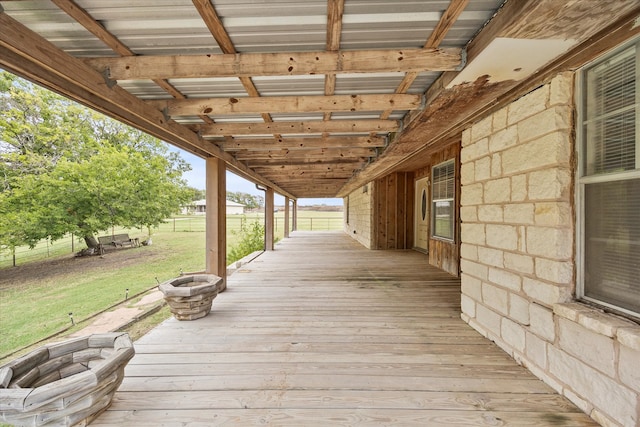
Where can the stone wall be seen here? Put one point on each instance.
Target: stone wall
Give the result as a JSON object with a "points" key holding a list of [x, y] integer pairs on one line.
{"points": [[358, 219], [518, 257]]}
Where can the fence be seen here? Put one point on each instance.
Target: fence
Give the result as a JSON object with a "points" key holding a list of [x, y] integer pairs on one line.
{"points": [[71, 244]]}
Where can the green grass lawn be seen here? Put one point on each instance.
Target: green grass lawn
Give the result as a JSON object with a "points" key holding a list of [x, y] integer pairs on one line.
{"points": [[35, 301]]}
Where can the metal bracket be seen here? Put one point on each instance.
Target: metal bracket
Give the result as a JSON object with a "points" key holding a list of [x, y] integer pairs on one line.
{"points": [[167, 117], [423, 102], [463, 60], [106, 75]]}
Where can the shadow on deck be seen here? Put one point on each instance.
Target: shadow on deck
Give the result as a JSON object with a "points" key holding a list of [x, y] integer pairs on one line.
{"points": [[324, 332]]}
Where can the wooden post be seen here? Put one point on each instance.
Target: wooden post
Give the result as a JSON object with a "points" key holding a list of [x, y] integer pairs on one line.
{"points": [[268, 219], [216, 220], [286, 217], [295, 216]]}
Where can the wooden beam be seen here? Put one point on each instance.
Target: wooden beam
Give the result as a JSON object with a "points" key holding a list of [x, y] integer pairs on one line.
{"points": [[335, 10], [291, 175], [28, 54], [448, 18], [214, 24], [303, 143], [356, 163], [268, 219], [286, 217], [83, 18], [287, 104], [277, 64], [285, 177], [305, 169], [216, 219], [307, 180], [313, 153], [333, 126], [294, 225]]}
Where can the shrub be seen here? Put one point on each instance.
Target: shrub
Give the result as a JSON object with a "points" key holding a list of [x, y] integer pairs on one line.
{"points": [[250, 239]]}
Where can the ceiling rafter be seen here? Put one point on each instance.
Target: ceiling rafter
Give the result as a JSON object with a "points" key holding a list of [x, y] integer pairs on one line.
{"points": [[287, 104], [302, 143], [278, 64], [335, 10], [314, 153], [355, 162], [317, 126]]}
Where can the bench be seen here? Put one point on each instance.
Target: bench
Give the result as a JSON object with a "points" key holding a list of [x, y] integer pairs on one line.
{"points": [[117, 241]]}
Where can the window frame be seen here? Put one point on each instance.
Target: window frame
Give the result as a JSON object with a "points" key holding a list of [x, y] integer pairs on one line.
{"points": [[433, 210], [583, 180]]}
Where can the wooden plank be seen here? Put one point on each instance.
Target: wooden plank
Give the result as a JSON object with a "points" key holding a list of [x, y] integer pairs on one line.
{"points": [[83, 18], [324, 381], [449, 17], [277, 64], [216, 220], [354, 163], [347, 399], [335, 9], [368, 370], [340, 417], [268, 219], [321, 331], [287, 104], [302, 143], [214, 24], [338, 126], [311, 153]]}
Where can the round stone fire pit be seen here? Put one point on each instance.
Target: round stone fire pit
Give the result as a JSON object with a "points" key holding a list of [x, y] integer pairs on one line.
{"points": [[190, 297], [64, 384]]}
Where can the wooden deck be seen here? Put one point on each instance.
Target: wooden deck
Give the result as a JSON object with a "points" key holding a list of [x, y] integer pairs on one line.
{"points": [[324, 332]]}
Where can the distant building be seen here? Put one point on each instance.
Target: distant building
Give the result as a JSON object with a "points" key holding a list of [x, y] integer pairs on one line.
{"points": [[199, 207]]}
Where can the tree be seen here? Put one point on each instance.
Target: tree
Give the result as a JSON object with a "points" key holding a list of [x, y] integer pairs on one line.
{"points": [[197, 194], [65, 169], [249, 200]]}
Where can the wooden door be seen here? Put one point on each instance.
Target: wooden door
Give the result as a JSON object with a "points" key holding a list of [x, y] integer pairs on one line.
{"points": [[421, 237]]}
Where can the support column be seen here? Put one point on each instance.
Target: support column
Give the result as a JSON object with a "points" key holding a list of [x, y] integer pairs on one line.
{"points": [[286, 217], [268, 219], [295, 216], [216, 219]]}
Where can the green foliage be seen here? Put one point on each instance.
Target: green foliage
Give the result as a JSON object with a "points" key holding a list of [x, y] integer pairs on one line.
{"points": [[249, 238], [197, 194], [249, 200], [66, 169]]}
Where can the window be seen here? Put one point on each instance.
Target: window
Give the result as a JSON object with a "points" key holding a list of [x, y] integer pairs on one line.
{"points": [[443, 200], [609, 181]]}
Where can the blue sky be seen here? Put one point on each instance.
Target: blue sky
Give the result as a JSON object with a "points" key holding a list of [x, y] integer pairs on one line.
{"points": [[196, 178]]}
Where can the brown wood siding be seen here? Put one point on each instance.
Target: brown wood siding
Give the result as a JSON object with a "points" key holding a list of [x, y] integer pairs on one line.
{"points": [[444, 254], [393, 213]]}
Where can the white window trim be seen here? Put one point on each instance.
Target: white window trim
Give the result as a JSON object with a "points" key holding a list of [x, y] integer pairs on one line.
{"points": [[432, 210], [581, 181]]}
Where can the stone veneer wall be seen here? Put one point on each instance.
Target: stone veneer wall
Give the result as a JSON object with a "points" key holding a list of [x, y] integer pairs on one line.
{"points": [[518, 257], [360, 222]]}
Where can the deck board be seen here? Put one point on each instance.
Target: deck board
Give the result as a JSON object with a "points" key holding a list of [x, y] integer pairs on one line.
{"points": [[324, 332]]}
